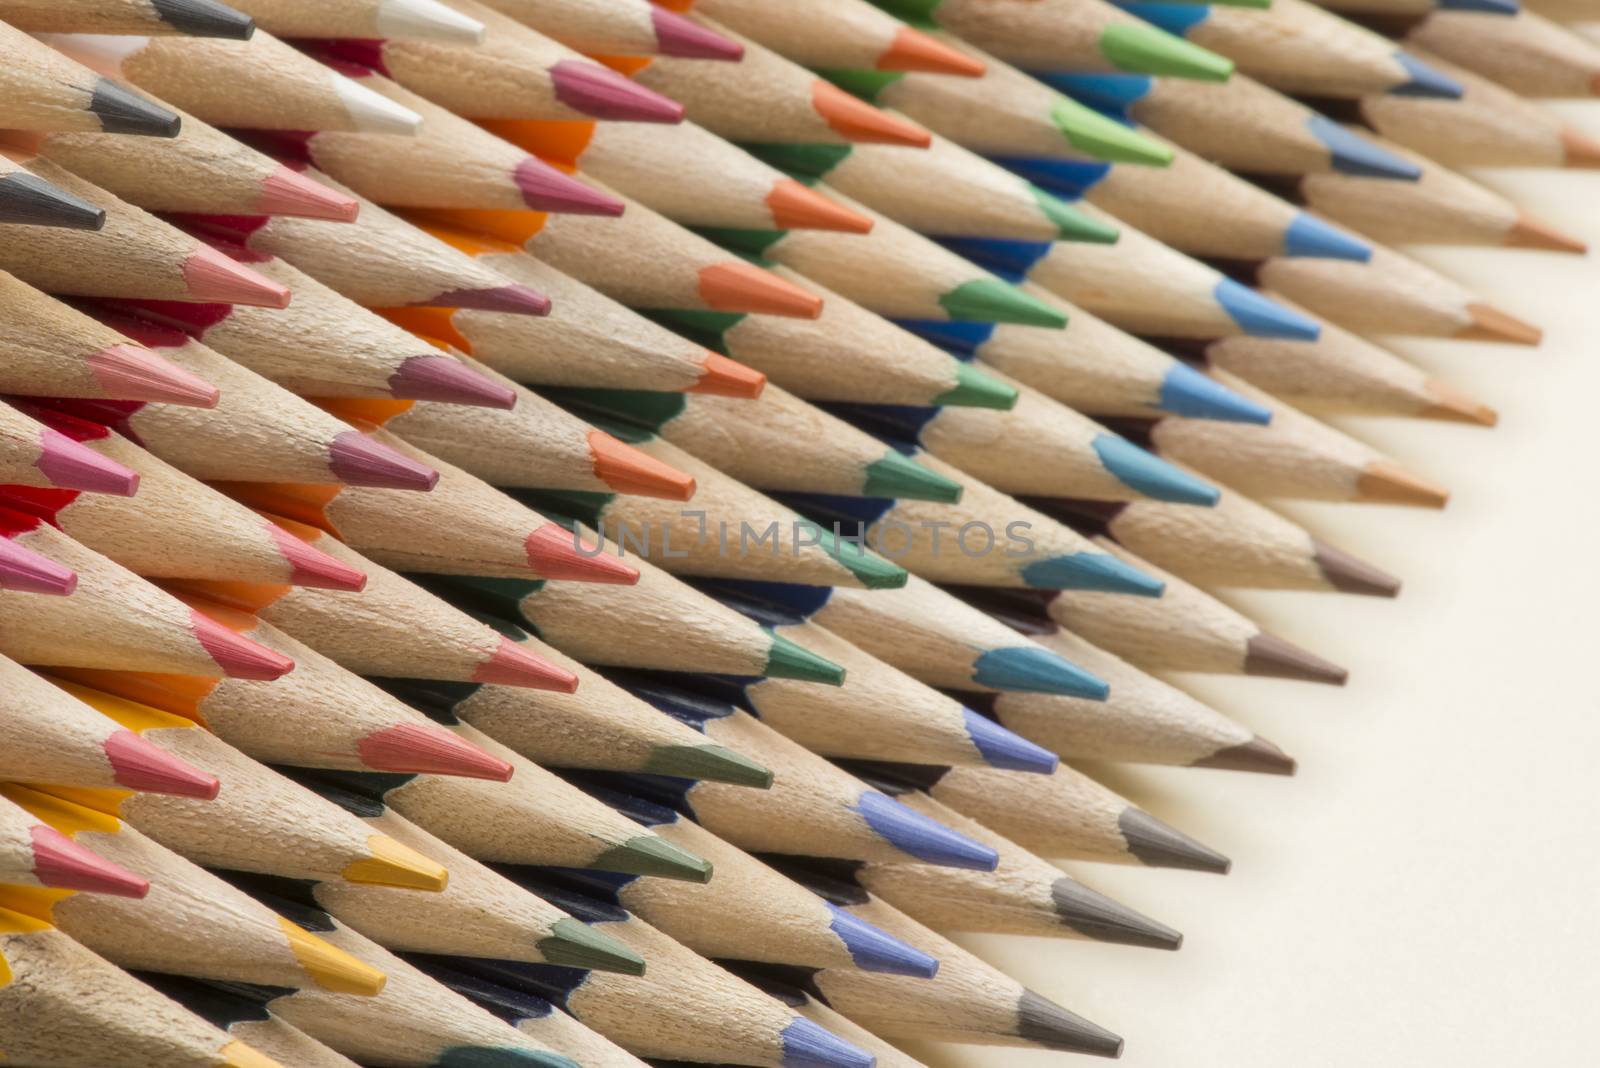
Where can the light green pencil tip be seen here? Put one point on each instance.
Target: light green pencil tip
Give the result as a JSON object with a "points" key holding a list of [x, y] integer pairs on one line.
{"points": [[714, 763], [989, 300], [1141, 49], [870, 569], [786, 660], [1072, 224], [974, 389], [575, 944], [1105, 138], [645, 854], [899, 476]]}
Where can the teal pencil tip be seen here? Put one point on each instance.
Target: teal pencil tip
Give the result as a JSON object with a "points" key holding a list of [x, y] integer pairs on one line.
{"points": [[989, 300], [866, 566], [974, 389], [895, 475], [1032, 669], [1148, 474], [1071, 223], [1100, 572], [786, 660]]}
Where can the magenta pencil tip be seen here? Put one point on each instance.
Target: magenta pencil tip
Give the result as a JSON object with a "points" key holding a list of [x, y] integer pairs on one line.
{"points": [[449, 381], [546, 189], [511, 299], [357, 460], [677, 36], [72, 465], [26, 571], [604, 94]]}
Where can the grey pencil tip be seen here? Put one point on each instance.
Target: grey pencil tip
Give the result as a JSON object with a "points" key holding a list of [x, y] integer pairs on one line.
{"points": [[1161, 846], [1093, 915], [1257, 754], [1047, 1024]]}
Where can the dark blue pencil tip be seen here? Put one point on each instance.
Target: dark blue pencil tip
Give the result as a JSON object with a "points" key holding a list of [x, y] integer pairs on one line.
{"points": [[1355, 155], [1483, 7], [1189, 393], [1030, 669], [501, 1057], [1260, 316], [928, 840], [1309, 236], [876, 950], [1003, 749], [1090, 571], [1425, 81], [1148, 474], [805, 1045]]}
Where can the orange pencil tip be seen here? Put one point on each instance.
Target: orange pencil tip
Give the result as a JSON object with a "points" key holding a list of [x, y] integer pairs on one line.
{"points": [[913, 50], [1491, 324], [1580, 149], [628, 470], [1389, 483], [796, 207], [736, 286], [856, 120], [1449, 403], [1528, 232], [723, 377]]}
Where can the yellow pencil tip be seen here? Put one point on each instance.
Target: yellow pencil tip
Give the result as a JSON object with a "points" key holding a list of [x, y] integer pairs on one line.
{"points": [[238, 1055], [330, 967], [393, 863]]}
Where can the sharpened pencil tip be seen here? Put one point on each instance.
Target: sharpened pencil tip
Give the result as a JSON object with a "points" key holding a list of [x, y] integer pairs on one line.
{"points": [[1101, 572], [1032, 669], [427, 20], [574, 944], [896, 475], [1260, 316], [678, 36], [204, 18], [1160, 845], [1150, 476], [913, 50], [722, 377], [26, 571], [429, 749], [287, 192], [786, 660], [927, 840], [448, 381], [798, 207], [1425, 81], [1491, 324], [1579, 150], [713, 763], [1187, 392], [1104, 138], [1528, 232], [626, 469], [1451, 404], [512, 665], [1047, 1024], [876, 950], [602, 93], [736, 286], [1257, 755], [807, 1045], [1385, 482], [71, 464], [1310, 237], [63, 864], [1350, 575], [392, 863], [237, 656], [544, 188], [989, 300], [1096, 916], [510, 299], [869, 569], [974, 389], [212, 276], [1270, 656], [313, 568], [123, 112], [1350, 153], [856, 120], [357, 460], [132, 372], [1141, 49], [1001, 748], [553, 553], [1072, 224], [26, 199], [646, 854], [139, 765], [330, 967], [372, 112]]}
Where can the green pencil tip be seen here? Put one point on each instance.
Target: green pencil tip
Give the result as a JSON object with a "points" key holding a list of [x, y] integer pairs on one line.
{"points": [[786, 660], [1072, 224], [1141, 49], [575, 944], [714, 763], [870, 569], [974, 389], [645, 854], [899, 476], [1105, 138], [989, 300]]}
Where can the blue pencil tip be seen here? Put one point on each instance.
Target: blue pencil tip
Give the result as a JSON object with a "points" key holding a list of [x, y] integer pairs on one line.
{"points": [[1150, 475], [1484, 7], [805, 1045], [1355, 155], [501, 1057], [1260, 316], [1101, 572], [1311, 237], [1189, 393], [1030, 669], [1425, 81], [928, 840], [876, 950], [1003, 749]]}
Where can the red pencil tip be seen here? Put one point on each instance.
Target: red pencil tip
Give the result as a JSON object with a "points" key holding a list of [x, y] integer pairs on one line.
{"points": [[212, 277], [512, 665], [288, 192], [131, 372], [554, 553], [677, 36], [449, 381], [357, 460], [604, 94], [426, 749], [72, 465], [236, 655], [626, 469], [546, 189], [138, 765], [310, 566], [26, 571], [63, 864], [723, 377], [511, 299]]}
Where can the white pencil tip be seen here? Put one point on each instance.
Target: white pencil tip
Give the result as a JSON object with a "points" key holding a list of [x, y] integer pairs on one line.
{"points": [[427, 20]]}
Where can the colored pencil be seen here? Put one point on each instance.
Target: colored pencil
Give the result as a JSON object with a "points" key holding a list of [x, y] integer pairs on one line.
{"points": [[49, 737], [63, 1007], [924, 632], [688, 174], [247, 1020], [26, 571], [148, 630], [261, 83], [782, 442], [34, 454], [1236, 543], [623, 28], [338, 720], [820, 1014], [133, 255], [35, 854], [1066, 814], [27, 199], [175, 527], [588, 338], [1420, 8], [1524, 52], [535, 444], [683, 1006], [191, 922], [392, 627], [425, 20], [1298, 48], [258, 430], [1039, 447], [513, 73], [841, 33], [192, 18], [968, 1001], [47, 91], [847, 353], [259, 821]]}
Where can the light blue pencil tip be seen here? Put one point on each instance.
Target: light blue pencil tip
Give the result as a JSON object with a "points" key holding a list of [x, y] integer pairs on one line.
{"points": [[1090, 571], [1260, 316], [1030, 669], [805, 1045], [1187, 392], [916, 835], [1425, 81], [1147, 473], [1311, 237], [1003, 749], [876, 950], [1350, 153]]}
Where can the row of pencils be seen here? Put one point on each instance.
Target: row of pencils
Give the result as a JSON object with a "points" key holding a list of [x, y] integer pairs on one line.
{"points": [[589, 533]]}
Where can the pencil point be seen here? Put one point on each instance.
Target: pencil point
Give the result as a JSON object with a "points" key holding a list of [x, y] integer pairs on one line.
{"points": [[212, 277], [1158, 845], [915, 835], [61, 863], [1072, 224], [236, 1054], [1000, 748], [138, 765], [1349, 575], [990, 300], [1101, 572], [123, 112], [1453, 405], [1140, 49], [1310, 237], [1528, 232], [1096, 916], [713, 763], [736, 286], [856, 120], [313, 568], [786, 660], [1352, 154], [449, 381], [392, 863], [1105, 138], [1147, 474], [1425, 80], [511, 299], [1033, 669], [1491, 324], [28, 200], [26, 571], [132, 372], [1047, 1024], [678, 36], [807, 1045], [544, 188], [357, 460], [203, 18], [896, 475], [236, 655], [1259, 316], [574, 944], [798, 207], [372, 112], [1258, 755], [1269, 656], [1385, 482], [71, 464], [875, 950], [427, 20], [604, 94], [1187, 392], [288, 192], [869, 569], [722, 377], [553, 553], [429, 749], [512, 665], [625, 469], [913, 50], [646, 854], [974, 389], [330, 967], [1579, 149]]}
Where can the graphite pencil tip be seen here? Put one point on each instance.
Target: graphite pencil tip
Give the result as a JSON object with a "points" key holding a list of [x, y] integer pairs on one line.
{"points": [[625, 469], [1491, 324], [926, 839], [357, 460], [1258, 755], [26, 199], [392, 863], [1450, 403], [311, 567], [1147, 474], [1425, 81], [1001, 748], [512, 665], [205, 18], [1259, 316], [1160, 845], [123, 112], [510, 299], [1141, 49], [138, 765], [974, 389], [71, 464], [807, 1045], [736, 286], [288, 192], [646, 854], [677, 36], [544, 188], [1105, 138], [1385, 482], [330, 967], [856, 120], [132, 372], [1033, 669], [236, 655], [212, 276], [553, 552], [61, 863], [786, 660], [602, 93], [429, 749], [1047, 1024], [896, 475], [798, 207], [1185, 391], [449, 381], [1096, 916], [722, 377], [913, 50], [989, 300], [1528, 232], [1350, 575], [1270, 656], [1101, 572], [574, 944], [713, 763]]}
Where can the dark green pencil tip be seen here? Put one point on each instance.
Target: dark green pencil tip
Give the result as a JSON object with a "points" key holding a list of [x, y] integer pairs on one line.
{"points": [[713, 763], [974, 389], [870, 569], [1072, 224], [989, 300], [786, 660], [897, 476], [1105, 138], [1141, 49], [645, 854], [575, 944]]}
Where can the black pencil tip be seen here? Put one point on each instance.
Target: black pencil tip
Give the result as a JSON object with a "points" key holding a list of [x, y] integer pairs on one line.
{"points": [[122, 112], [1096, 916], [1271, 656], [29, 200], [1047, 1024], [1257, 754], [1161, 846], [205, 18]]}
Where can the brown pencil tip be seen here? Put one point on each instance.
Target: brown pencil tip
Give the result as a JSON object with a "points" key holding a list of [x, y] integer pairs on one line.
{"points": [[626, 469], [512, 665], [1269, 656], [1455, 406], [1528, 232], [1386, 482], [913, 50], [1162, 846], [735, 286], [1491, 324], [856, 120], [288, 192], [1350, 575], [212, 277], [1257, 754], [796, 207], [723, 377], [1581, 150]]}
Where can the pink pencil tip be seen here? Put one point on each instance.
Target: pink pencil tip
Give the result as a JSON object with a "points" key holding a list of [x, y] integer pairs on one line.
{"points": [[448, 381], [310, 566], [25, 571], [213, 278], [512, 299], [546, 189], [63, 864], [288, 192], [553, 552], [357, 460], [132, 372], [138, 765], [677, 36], [236, 655], [72, 465], [604, 94], [512, 665], [426, 749]]}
